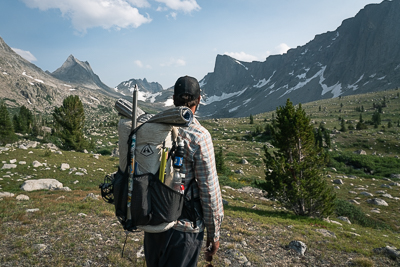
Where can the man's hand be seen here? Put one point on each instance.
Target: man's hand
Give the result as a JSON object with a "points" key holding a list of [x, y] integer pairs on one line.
{"points": [[211, 249]]}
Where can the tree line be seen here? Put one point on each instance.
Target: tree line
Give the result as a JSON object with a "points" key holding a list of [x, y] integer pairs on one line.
{"points": [[68, 125]]}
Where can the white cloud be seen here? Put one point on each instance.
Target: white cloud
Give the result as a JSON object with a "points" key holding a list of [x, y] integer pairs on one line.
{"points": [[186, 6], [138, 63], [172, 15], [141, 65], [174, 62], [242, 56], [278, 50], [25, 54], [85, 14], [282, 48], [139, 3]]}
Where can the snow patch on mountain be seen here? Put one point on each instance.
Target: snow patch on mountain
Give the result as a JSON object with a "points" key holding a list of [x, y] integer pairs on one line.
{"points": [[301, 84], [246, 101], [264, 82], [169, 103], [234, 109], [145, 96], [354, 86], [37, 80], [337, 35], [238, 62], [224, 96], [202, 83]]}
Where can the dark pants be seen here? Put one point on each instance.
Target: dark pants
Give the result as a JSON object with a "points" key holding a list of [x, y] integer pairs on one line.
{"points": [[172, 248]]}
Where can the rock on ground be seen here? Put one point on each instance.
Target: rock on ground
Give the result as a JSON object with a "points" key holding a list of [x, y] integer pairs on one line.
{"points": [[32, 185]]}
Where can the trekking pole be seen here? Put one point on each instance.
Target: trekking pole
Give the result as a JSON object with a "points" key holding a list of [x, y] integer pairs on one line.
{"points": [[133, 146]]}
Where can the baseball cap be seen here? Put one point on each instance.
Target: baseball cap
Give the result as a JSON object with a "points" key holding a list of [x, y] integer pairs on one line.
{"points": [[187, 86]]}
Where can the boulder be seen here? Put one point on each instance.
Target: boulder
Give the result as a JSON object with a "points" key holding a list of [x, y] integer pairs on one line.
{"points": [[9, 166], [344, 219], [64, 166], [391, 252], [366, 194], [326, 233], [338, 181], [6, 194], [360, 152], [36, 164], [377, 201], [40, 184], [22, 197], [298, 246], [395, 176], [244, 161]]}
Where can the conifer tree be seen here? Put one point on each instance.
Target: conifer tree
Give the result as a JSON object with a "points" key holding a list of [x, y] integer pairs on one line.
{"points": [[220, 162], [6, 127], [342, 126], [70, 118], [23, 121], [294, 170], [251, 119], [376, 119]]}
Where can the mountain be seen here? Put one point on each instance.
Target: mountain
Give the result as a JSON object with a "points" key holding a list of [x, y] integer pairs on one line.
{"points": [[360, 56], [23, 83], [151, 95], [78, 72]]}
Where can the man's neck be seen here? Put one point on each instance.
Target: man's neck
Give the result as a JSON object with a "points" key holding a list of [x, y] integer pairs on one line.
{"points": [[193, 109]]}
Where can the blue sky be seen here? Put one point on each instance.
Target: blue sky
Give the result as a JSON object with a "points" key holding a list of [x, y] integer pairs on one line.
{"points": [[161, 40]]}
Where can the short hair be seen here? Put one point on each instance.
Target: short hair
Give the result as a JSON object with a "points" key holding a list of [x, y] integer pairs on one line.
{"points": [[185, 100]]}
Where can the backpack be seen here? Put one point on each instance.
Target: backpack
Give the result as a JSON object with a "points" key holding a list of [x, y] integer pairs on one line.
{"points": [[142, 200]]}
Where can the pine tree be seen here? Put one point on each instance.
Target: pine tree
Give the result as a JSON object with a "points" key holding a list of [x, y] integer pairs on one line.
{"points": [[23, 121], [342, 126], [376, 119], [220, 162], [251, 119], [70, 118], [294, 170], [6, 127]]}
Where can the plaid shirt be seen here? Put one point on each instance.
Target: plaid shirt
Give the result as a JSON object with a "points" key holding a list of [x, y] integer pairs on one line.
{"points": [[199, 164]]}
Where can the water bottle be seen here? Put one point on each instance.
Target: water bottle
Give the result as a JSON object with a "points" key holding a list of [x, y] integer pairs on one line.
{"points": [[178, 178], [177, 184], [178, 158]]}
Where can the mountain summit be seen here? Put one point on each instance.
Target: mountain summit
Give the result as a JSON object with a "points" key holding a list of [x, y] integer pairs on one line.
{"points": [[79, 72], [360, 56], [23, 83]]}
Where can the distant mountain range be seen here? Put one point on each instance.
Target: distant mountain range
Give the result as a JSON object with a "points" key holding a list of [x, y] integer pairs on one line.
{"points": [[362, 55]]}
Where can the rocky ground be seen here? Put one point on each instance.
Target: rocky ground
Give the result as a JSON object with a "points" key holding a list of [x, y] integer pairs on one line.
{"points": [[93, 238]]}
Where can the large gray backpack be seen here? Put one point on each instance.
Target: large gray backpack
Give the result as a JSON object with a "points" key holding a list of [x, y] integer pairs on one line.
{"points": [[141, 200]]}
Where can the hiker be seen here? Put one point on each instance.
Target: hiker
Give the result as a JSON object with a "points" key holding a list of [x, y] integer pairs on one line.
{"points": [[181, 245]]}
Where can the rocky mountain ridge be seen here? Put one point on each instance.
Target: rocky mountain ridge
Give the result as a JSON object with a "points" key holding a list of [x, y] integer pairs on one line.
{"points": [[362, 55], [23, 83]]}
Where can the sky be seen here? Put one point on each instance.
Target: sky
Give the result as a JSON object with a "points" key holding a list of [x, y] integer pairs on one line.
{"points": [[161, 40]]}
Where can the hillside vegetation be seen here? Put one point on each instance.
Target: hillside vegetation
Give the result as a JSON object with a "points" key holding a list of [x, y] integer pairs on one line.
{"points": [[76, 228]]}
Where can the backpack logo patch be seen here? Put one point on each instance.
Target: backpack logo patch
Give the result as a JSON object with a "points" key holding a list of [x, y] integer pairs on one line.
{"points": [[146, 151]]}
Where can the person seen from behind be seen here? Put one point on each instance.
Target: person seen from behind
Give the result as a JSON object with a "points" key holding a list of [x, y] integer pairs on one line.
{"points": [[180, 246]]}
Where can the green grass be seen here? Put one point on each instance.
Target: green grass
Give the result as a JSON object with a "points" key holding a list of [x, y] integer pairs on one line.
{"points": [[75, 239]]}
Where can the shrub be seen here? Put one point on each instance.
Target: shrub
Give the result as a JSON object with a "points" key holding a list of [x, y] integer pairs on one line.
{"points": [[356, 215]]}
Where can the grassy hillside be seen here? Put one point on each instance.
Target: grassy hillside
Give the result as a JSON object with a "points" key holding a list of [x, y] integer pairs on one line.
{"points": [[71, 229]]}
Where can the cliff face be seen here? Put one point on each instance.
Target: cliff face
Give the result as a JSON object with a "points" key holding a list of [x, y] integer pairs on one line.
{"points": [[362, 55]]}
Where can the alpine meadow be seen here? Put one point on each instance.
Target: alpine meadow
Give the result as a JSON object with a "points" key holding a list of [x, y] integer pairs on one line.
{"points": [[306, 143], [58, 227]]}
